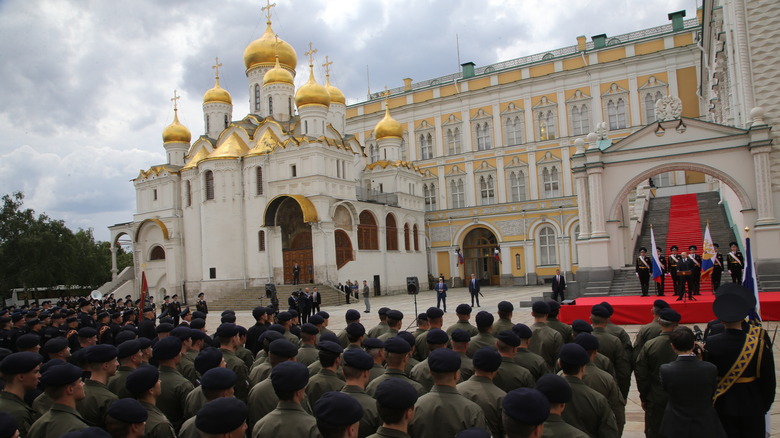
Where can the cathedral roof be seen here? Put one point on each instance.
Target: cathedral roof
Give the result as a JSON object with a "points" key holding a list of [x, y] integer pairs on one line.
{"points": [[263, 51], [157, 170], [195, 159], [388, 127], [384, 164], [232, 148], [217, 94], [176, 132]]}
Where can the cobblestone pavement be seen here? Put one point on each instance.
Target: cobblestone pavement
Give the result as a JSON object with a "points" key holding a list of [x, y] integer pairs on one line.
{"points": [[492, 296]]}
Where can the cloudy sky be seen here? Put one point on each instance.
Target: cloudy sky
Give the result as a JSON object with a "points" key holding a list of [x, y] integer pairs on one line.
{"points": [[86, 84]]}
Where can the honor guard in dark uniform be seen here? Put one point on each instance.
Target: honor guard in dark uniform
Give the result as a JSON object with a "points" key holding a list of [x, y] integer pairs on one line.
{"points": [[85, 317], [643, 270], [659, 285], [395, 401], [558, 393], [746, 370], [735, 262], [202, 305], [685, 272], [174, 309], [671, 266], [12, 401], [695, 269], [62, 417], [717, 268], [146, 328]]}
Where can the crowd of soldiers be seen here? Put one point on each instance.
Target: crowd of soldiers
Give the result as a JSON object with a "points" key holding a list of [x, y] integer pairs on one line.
{"points": [[480, 377]]}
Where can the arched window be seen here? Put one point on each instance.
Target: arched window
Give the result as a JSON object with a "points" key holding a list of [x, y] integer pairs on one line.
{"points": [[406, 237], [305, 126], [344, 252], [453, 141], [650, 101], [188, 193], [517, 186], [391, 233], [547, 125], [550, 184], [415, 238], [207, 124], [429, 194], [486, 189], [457, 193], [209, 185], [270, 106], [227, 121], [547, 253], [580, 120], [426, 146], [367, 231], [616, 112], [261, 240], [483, 137], [257, 98], [514, 132], [289, 106], [259, 179], [157, 253]]}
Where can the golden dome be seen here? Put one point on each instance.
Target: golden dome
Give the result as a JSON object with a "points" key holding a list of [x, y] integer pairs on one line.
{"points": [[176, 132], [217, 94], [264, 49], [388, 127], [278, 75], [336, 96], [312, 93]]}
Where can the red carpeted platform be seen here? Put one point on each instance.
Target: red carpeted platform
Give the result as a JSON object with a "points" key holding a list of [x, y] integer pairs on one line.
{"points": [[636, 309], [684, 231]]}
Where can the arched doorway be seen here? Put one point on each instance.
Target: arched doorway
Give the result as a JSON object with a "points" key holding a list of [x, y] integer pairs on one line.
{"points": [[478, 247], [296, 241]]}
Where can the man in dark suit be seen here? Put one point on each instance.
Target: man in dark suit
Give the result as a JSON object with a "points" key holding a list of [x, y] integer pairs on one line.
{"points": [[296, 274], [558, 286], [685, 277], [690, 384], [695, 269], [441, 294], [474, 290], [316, 300]]}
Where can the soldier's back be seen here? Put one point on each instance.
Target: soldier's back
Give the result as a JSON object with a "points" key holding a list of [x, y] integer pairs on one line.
{"points": [[287, 420], [532, 362], [589, 411], [482, 391], [58, 421], [444, 412], [511, 376], [97, 399], [157, 424]]}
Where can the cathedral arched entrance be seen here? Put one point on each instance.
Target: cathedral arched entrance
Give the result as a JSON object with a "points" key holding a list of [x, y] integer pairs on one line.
{"points": [[293, 215], [478, 249]]}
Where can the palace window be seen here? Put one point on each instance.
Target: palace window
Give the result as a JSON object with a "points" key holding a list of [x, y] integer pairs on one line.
{"points": [[453, 141], [259, 179], [483, 136], [426, 146], [547, 253], [415, 238], [158, 253], [209, 185], [457, 193], [406, 237], [580, 119], [374, 152], [547, 125], [391, 233], [616, 112], [429, 194], [650, 101], [517, 186], [487, 190], [257, 98], [550, 182], [261, 240], [367, 231], [514, 130]]}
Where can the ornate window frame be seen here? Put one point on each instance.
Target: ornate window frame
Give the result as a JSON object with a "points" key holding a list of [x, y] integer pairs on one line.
{"points": [[425, 138], [516, 171], [649, 93], [615, 107], [550, 169], [456, 187], [452, 130], [482, 130], [546, 119], [513, 124], [579, 109]]}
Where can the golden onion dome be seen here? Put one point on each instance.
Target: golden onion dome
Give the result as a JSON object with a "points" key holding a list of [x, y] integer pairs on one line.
{"points": [[264, 49], [336, 96], [218, 95], [312, 93], [388, 126], [278, 75], [176, 132]]}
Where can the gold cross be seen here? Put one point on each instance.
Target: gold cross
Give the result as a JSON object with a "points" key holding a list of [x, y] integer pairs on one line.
{"points": [[216, 68], [386, 94], [327, 66], [174, 100], [267, 8], [311, 53]]}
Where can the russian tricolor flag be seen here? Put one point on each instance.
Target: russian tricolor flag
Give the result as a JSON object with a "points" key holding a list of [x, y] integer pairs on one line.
{"points": [[658, 273]]}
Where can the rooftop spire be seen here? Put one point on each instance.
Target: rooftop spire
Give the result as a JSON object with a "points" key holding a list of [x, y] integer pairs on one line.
{"points": [[267, 9]]}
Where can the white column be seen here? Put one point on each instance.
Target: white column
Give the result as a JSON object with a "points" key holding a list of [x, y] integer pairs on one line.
{"points": [[563, 116], [583, 203], [441, 147], [465, 132], [671, 74], [414, 154], [441, 201], [501, 196], [530, 130], [763, 185], [114, 270], [596, 111], [498, 133], [533, 177], [566, 170], [596, 203], [470, 185], [633, 101]]}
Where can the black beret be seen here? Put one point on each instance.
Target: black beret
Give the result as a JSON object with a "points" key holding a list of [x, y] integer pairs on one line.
{"points": [[473, 432], [269, 336], [100, 353], [436, 337], [587, 341], [148, 309], [283, 348], [359, 359], [434, 312], [165, 327], [574, 354], [408, 337], [51, 363], [185, 311], [197, 323], [739, 290], [459, 335], [128, 348], [394, 314], [284, 316], [599, 310], [505, 306], [369, 343], [316, 320], [330, 347], [128, 410], [509, 338], [145, 342], [395, 394], [397, 344], [673, 247], [422, 317], [141, 379], [277, 328], [61, 375], [444, 360], [383, 310], [207, 359], [55, 345], [227, 330], [197, 335], [68, 320], [463, 309], [182, 332], [609, 307], [671, 315], [90, 432], [200, 315], [8, 425], [289, 376], [20, 363], [258, 311], [87, 332], [27, 341], [323, 314], [102, 314], [555, 388], [356, 330], [221, 415], [293, 313], [484, 319], [167, 348], [580, 325], [34, 322], [526, 405], [338, 409], [329, 337], [352, 315], [18, 317], [218, 378], [728, 307], [660, 304], [522, 331], [554, 305], [310, 329], [487, 359], [540, 307]]}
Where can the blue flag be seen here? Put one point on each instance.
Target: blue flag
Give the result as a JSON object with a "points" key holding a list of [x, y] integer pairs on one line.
{"points": [[658, 273]]}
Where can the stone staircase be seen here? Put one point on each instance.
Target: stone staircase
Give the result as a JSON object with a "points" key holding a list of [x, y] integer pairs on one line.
{"points": [[247, 299]]}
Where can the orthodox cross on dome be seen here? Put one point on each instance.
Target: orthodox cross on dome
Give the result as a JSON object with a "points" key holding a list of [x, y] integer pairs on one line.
{"points": [[311, 53], [267, 9], [327, 66], [386, 93], [216, 67], [175, 99]]}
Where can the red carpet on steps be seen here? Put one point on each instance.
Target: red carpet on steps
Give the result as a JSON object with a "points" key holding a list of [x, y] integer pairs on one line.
{"points": [[684, 231], [636, 309]]}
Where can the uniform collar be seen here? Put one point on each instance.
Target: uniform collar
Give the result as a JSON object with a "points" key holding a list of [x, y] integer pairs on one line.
{"points": [[444, 389]]}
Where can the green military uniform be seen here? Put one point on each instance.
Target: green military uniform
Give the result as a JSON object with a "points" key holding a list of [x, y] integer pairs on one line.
{"points": [[392, 373], [343, 339], [290, 337], [589, 411], [605, 364], [175, 389], [421, 373], [511, 376], [58, 421], [390, 333], [97, 399], [417, 332], [376, 371], [388, 433], [555, 427], [564, 329], [262, 371], [410, 364], [307, 355], [610, 346], [479, 341], [324, 381], [25, 416], [370, 420], [621, 334], [378, 330], [288, 420], [116, 383], [188, 429], [646, 332], [606, 385], [42, 404], [187, 366], [655, 353], [157, 424], [325, 331], [502, 324], [546, 342], [466, 367], [193, 402], [531, 361], [482, 391], [421, 349], [465, 326], [244, 354], [444, 412], [239, 367]]}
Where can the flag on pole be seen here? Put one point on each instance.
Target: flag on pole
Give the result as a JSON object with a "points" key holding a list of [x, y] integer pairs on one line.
{"points": [[497, 255], [144, 290], [708, 255], [749, 281], [458, 258], [658, 273]]}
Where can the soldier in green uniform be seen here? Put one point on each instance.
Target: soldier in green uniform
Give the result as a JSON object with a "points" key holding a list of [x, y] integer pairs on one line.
{"points": [[21, 373], [395, 320], [525, 357], [485, 336], [505, 310], [655, 353], [376, 349], [262, 398], [558, 393], [174, 386], [435, 339], [308, 353], [326, 380], [382, 327], [144, 384], [618, 331], [130, 357], [444, 411], [397, 354], [395, 401], [324, 330], [480, 388], [524, 413], [209, 358], [215, 383], [422, 325], [545, 342], [126, 417], [435, 321], [338, 415], [229, 343], [650, 330], [610, 346], [601, 380], [553, 322], [511, 375], [351, 316], [289, 419], [355, 367], [186, 366], [222, 417], [102, 364], [460, 343], [463, 312], [65, 388], [279, 350], [242, 352]]}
